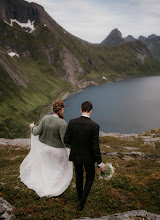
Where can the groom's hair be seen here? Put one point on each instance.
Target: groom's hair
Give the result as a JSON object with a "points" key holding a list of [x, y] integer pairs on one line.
{"points": [[86, 106]]}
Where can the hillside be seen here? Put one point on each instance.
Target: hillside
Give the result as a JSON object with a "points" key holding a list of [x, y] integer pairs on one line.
{"points": [[134, 185], [48, 62]]}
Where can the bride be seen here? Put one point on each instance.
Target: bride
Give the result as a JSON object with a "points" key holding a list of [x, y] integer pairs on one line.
{"points": [[47, 169]]}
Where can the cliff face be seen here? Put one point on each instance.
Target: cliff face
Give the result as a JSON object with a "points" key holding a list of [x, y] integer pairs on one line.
{"points": [[19, 10], [39, 60]]}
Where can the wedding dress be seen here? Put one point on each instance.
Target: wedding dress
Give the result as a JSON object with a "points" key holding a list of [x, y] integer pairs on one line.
{"points": [[47, 170]]}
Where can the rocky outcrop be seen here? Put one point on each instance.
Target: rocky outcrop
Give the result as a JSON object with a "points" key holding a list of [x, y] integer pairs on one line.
{"points": [[71, 66], [132, 155], [19, 10], [19, 142], [51, 53], [6, 210], [136, 214]]}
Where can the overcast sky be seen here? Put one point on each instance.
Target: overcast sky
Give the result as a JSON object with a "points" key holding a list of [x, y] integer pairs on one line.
{"points": [[93, 20]]}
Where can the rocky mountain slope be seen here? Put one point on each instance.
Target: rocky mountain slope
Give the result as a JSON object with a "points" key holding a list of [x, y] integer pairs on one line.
{"points": [[152, 42], [40, 61]]}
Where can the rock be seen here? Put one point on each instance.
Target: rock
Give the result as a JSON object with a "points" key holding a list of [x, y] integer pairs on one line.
{"points": [[19, 142], [6, 210], [71, 65], [130, 148], [107, 146], [118, 135], [133, 154], [140, 214], [2, 209], [3, 183]]}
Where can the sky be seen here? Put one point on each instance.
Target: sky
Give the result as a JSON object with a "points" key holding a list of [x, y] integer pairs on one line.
{"points": [[93, 20]]}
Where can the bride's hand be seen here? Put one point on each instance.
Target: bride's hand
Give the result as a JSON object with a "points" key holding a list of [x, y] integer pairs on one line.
{"points": [[31, 125]]}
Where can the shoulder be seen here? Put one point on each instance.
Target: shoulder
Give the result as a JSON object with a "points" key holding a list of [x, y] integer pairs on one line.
{"points": [[46, 117], [61, 122], [74, 120], [94, 124]]}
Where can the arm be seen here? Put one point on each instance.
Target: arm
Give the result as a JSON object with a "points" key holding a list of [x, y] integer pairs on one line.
{"points": [[95, 144], [68, 137], [62, 131], [37, 130]]}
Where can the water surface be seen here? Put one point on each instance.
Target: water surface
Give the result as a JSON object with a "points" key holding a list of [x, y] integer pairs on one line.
{"points": [[126, 106]]}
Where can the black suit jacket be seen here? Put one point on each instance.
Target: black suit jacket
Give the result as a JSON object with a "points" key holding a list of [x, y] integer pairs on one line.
{"points": [[83, 136]]}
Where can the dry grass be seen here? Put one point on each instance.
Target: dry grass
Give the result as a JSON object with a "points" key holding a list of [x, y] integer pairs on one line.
{"points": [[135, 185]]}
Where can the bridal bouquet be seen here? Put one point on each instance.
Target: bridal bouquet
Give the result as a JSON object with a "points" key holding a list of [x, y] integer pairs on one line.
{"points": [[108, 172]]}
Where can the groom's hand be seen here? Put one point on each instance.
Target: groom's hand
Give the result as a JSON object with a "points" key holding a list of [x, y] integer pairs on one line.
{"points": [[31, 125], [101, 168]]}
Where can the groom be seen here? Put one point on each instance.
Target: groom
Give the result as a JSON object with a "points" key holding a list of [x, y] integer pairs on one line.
{"points": [[83, 136]]}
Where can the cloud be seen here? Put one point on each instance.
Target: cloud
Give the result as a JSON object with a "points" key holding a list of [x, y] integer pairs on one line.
{"points": [[93, 20]]}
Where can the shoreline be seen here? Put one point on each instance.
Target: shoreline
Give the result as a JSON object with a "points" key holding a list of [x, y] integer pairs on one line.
{"points": [[67, 93]]}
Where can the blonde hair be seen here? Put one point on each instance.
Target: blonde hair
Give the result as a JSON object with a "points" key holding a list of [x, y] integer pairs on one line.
{"points": [[57, 107]]}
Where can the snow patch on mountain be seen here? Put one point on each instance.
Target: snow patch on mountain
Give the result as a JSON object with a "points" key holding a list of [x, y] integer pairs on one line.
{"points": [[29, 24], [12, 54]]}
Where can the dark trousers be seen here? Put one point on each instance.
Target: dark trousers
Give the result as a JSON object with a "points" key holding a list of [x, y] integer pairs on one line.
{"points": [[90, 174]]}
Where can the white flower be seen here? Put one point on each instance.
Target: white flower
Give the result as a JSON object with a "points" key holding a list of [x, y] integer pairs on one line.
{"points": [[108, 172]]}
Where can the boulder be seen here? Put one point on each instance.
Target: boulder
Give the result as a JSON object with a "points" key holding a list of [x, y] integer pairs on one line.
{"points": [[140, 214], [6, 210]]}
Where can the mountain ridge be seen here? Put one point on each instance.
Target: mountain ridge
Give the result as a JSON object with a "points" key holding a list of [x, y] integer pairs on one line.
{"points": [[152, 42]]}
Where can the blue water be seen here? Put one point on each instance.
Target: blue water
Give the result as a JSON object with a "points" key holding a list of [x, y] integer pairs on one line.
{"points": [[126, 106]]}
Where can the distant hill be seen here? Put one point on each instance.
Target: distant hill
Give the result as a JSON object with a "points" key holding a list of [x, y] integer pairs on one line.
{"points": [[40, 61], [152, 42]]}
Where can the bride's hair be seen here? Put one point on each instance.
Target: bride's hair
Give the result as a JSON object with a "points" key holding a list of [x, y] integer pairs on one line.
{"points": [[57, 107]]}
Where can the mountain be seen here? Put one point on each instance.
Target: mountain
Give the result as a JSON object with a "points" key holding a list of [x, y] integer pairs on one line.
{"points": [[152, 42], [40, 61], [115, 38], [129, 38]]}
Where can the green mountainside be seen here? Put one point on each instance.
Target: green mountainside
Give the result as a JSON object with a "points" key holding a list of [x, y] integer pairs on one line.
{"points": [[52, 62]]}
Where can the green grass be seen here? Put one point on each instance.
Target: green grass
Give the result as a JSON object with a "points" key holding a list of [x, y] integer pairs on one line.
{"points": [[135, 185]]}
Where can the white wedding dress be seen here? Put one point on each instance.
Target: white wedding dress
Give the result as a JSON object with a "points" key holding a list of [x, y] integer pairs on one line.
{"points": [[47, 170]]}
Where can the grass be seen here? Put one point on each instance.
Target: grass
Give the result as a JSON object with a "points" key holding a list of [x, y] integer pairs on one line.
{"points": [[135, 185]]}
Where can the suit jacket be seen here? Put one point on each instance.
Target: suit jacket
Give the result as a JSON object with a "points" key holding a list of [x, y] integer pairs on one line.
{"points": [[83, 136]]}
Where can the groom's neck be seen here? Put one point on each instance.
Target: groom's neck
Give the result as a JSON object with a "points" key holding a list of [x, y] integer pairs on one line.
{"points": [[86, 114]]}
